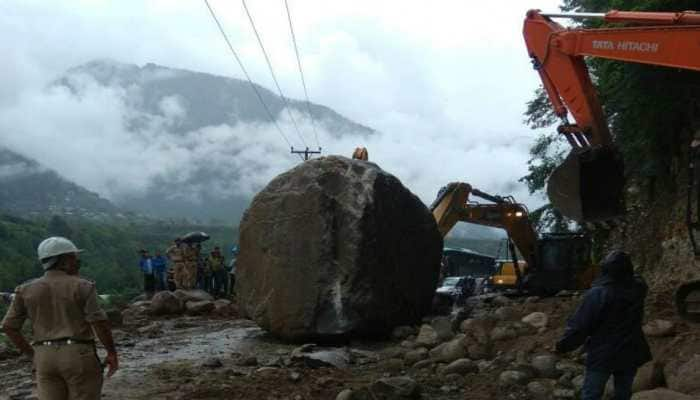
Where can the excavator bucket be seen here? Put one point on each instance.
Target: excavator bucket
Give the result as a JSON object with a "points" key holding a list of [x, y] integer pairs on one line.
{"points": [[588, 186]]}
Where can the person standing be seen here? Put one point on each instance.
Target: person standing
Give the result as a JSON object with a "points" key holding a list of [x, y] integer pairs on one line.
{"points": [[149, 280], [231, 281], [609, 322], [217, 266], [176, 254], [64, 313], [160, 271], [189, 275]]}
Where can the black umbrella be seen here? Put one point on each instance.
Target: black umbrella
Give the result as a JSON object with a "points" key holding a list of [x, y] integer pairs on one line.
{"points": [[195, 237]]}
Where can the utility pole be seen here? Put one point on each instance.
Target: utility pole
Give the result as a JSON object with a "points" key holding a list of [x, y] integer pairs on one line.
{"points": [[307, 153]]}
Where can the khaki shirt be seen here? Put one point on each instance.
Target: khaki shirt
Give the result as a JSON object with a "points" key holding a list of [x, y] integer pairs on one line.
{"points": [[59, 306], [175, 253]]}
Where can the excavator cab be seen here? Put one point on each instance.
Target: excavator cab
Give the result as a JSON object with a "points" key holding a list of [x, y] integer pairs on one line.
{"points": [[564, 262], [589, 185]]}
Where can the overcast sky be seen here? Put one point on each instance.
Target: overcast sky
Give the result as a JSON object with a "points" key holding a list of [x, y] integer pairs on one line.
{"points": [[444, 82]]}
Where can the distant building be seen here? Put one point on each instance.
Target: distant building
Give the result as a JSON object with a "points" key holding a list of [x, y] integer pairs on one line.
{"points": [[465, 262]]}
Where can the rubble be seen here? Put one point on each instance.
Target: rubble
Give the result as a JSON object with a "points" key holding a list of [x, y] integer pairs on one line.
{"points": [[333, 282]]}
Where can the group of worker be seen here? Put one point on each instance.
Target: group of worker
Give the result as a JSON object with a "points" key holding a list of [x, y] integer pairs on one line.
{"points": [[65, 316], [186, 267]]}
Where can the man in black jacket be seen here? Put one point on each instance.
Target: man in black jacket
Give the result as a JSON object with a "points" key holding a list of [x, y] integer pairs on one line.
{"points": [[609, 323]]}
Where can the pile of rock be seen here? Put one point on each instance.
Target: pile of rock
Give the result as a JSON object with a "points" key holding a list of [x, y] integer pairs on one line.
{"points": [[493, 344], [179, 302]]}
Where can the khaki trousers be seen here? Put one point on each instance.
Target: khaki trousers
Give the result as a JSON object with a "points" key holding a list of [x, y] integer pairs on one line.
{"points": [[179, 275], [190, 275], [68, 372]]}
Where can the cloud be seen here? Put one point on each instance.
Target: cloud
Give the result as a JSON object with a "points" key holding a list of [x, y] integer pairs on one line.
{"points": [[444, 85]]}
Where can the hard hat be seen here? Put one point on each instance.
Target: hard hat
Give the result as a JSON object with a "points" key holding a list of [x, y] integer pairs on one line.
{"points": [[55, 246]]}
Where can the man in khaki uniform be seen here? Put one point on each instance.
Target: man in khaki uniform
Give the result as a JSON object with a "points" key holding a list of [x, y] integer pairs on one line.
{"points": [[63, 311], [176, 254], [190, 267]]}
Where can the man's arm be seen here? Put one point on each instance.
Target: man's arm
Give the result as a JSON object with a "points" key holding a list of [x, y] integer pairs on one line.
{"points": [[104, 333], [581, 325], [19, 341], [100, 324], [13, 321]]}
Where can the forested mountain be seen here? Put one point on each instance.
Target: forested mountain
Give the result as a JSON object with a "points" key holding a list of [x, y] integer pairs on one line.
{"points": [[28, 188]]}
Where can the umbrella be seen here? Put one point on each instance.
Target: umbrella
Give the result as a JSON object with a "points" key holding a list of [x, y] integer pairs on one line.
{"points": [[195, 237]]}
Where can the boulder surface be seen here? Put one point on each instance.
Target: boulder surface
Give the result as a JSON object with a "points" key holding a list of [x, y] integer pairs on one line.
{"points": [[336, 247]]}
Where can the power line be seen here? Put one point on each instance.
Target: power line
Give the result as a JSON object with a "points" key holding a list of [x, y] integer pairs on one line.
{"points": [[301, 73], [272, 72], [245, 72]]}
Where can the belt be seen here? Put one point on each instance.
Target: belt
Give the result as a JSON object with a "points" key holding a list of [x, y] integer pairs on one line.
{"points": [[62, 341]]}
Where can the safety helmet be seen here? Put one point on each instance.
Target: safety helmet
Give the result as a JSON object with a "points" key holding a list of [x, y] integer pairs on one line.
{"points": [[55, 246]]}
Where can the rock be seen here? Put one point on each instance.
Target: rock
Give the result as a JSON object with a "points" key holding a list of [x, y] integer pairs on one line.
{"points": [[541, 389], [503, 333], [337, 358], [294, 376], [402, 332], [545, 365], [461, 367], [659, 328], [165, 303], [536, 320], [563, 394], [661, 394], [577, 383], [423, 364], [344, 395], [193, 295], [427, 336], [151, 329], [199, 307], [478, 351], [479, 329], [248, 361], [224, 308], [392, 365], [685, 378], [400, 387], [443, 328], [649, 376], [449, 351], [513, 377], [394, 352], [506, 313], [351, 273], [568, 366], [212, 363], [416, 355], [500, 300], [532, 299]]}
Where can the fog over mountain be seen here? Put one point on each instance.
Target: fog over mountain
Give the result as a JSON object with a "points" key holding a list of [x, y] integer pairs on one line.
{"points": [[172, 143]]}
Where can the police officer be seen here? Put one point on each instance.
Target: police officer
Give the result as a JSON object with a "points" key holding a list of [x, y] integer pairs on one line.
{"points": [[63, 311], [176, 254]]}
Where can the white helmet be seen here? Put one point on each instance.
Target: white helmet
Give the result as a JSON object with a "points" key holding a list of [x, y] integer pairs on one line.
{"points": [[55, 246]]}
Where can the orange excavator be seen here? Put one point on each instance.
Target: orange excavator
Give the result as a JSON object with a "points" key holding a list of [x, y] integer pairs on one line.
{"points": [[588, 185], [551, 262]]}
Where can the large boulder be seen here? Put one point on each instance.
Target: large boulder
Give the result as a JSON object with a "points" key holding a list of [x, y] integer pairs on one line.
{"points": [[336, 247], [165, 302]]}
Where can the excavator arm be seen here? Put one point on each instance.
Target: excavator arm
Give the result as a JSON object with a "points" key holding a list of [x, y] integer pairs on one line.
{"points": [[588, 185], [453, 205]]}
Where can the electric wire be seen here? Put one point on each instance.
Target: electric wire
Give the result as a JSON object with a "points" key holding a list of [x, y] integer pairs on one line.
{"points": [[245, 72], [301, 73], [272, 72]]}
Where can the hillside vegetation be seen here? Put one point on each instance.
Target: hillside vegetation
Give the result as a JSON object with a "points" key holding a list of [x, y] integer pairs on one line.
{"points": [[111, 249]]}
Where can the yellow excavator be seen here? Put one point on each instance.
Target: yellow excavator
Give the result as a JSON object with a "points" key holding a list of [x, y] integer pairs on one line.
{"points": [[551, 262]]}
